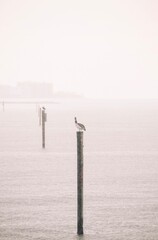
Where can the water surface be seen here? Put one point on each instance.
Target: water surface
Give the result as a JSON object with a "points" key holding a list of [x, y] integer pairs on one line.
{"points": [[38, 187]]}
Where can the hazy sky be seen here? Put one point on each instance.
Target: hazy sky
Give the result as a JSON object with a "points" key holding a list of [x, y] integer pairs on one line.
{"points": [[99, 48]]}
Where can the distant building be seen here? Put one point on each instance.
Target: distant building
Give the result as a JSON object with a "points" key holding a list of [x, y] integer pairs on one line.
{"points": [[35, 89], [7, 91]]}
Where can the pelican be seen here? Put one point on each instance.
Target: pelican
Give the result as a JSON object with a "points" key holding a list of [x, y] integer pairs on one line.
{"points": [[80, 126]]}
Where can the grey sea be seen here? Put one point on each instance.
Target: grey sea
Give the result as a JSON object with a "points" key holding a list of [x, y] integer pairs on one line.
{"points": [[38, 186]]}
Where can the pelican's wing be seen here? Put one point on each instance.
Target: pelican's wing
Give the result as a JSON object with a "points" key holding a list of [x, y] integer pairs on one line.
{"points": [[82, 126]]}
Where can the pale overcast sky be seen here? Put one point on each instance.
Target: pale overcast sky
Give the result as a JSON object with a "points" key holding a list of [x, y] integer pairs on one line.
{"points": [[99, 48]]}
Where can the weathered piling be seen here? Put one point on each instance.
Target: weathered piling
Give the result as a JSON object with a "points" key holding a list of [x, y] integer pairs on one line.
{"points": [[80, 183], [43, 126]]}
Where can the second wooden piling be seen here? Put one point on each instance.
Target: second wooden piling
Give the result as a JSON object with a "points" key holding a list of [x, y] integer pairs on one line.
{"points": [[43, 127]]}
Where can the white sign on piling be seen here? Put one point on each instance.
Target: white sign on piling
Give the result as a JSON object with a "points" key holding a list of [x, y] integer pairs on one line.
{"points": [[40, 115]]}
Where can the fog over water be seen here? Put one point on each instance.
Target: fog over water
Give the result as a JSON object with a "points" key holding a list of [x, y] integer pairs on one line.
{"points": [[98, 48], [38, 187], [79, 49]]}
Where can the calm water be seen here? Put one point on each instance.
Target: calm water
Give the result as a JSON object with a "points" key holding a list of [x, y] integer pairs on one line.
{"points": [[38, 187]]}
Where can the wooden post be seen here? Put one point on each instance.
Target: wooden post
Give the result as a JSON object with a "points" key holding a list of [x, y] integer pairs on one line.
{"points": [[3, 106], [80, 183], [43, 126]]}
